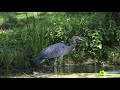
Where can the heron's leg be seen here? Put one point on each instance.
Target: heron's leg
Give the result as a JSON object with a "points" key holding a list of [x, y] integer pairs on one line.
{"points": [[55, 66], [55, 69], [55, 62], [61, 60]]}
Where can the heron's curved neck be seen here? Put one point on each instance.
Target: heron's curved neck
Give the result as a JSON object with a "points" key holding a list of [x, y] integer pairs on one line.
{"points": [[73, 44]]}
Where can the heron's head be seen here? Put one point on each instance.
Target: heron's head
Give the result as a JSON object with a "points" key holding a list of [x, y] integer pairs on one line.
{"points": [[79, 38]]}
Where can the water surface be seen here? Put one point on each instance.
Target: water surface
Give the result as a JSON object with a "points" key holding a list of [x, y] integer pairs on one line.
{"points": [[69, 69]]}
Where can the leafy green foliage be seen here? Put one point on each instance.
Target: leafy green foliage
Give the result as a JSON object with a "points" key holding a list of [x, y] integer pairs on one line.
{"points": [[29, 33]]}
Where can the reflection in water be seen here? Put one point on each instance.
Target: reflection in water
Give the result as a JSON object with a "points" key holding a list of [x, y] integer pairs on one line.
{"points": [[63, 70]]}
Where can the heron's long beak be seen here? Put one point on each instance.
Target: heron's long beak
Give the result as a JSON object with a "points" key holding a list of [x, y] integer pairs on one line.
{"points": [[82, 38]]}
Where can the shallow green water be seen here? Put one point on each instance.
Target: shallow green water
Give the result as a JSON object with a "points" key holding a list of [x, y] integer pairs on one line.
{"points": [[69, 69]]}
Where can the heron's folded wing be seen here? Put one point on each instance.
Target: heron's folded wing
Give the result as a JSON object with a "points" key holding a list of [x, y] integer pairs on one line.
{"points": [[53, 51]]}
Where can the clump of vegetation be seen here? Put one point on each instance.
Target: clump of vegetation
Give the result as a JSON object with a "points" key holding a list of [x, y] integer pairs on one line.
{"points": [[102, 73]]}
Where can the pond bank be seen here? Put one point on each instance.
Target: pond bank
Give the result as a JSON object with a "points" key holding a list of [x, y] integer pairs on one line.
{"points": [[74, 75]]}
